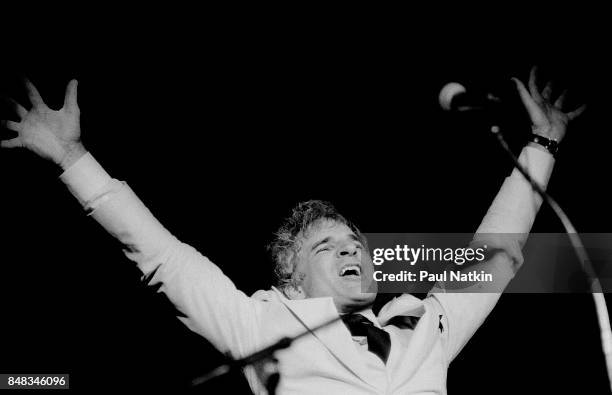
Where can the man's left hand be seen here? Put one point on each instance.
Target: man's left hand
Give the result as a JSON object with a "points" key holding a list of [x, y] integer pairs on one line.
{"points": [[547, 117]]}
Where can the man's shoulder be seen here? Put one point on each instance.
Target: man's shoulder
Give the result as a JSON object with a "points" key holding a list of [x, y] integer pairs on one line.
{"points": [[270, 295]]}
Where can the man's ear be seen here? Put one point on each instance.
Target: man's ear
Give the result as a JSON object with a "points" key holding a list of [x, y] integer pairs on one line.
{"points": [[295, 292]]}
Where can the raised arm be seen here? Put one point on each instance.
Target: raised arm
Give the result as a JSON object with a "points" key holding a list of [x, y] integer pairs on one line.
{"points": [[207, 301], [508, 221], [515, 207]]}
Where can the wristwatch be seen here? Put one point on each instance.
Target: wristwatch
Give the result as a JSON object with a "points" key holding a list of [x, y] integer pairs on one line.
{"points": [[551, 146]]}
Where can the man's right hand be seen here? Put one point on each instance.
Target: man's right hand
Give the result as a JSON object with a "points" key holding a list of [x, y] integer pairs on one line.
{"points": [[53, 135]]}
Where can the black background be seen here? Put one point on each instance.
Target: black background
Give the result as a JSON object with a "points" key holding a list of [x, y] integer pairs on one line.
{"points": [[222, 123]]}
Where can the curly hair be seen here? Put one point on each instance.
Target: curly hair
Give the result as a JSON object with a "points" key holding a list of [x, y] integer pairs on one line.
{"points": [[288, 239]]}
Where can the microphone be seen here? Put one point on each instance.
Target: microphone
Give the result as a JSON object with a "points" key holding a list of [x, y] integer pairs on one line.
{"points": [[454, 97]]}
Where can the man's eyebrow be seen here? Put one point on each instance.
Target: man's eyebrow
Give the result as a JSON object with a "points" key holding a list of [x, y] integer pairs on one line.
{"points": [[318, 243], [355, 238]]}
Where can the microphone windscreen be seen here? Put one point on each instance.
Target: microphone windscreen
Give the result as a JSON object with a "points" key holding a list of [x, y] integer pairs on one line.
{"points": [[448, 92]]}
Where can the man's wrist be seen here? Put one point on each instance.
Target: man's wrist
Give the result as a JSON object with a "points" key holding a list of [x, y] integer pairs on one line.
{"points": [[73, 153], [549, 132], [86, 178], [544, 143]]}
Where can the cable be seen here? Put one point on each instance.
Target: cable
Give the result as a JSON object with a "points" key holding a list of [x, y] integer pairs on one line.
{"points": [[598, 297]]}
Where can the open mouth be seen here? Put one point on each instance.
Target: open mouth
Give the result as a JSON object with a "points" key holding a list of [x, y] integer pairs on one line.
{"points": [[351, 270]]}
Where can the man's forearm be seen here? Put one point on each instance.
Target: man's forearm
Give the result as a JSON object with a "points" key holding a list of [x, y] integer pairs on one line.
{"points": [[510, 217], [515, 207]]}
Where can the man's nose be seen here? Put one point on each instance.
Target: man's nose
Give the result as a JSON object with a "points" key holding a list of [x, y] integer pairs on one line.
{"points": [[348, 249]]}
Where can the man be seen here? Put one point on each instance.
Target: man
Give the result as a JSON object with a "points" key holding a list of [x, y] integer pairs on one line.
{"points": [[321, 259]]}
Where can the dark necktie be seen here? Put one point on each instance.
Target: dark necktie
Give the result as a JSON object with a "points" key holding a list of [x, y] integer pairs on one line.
{"points": [[379, 341]]}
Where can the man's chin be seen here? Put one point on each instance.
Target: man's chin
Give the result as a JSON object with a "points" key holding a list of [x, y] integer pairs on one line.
{"points": [[355, 301]]}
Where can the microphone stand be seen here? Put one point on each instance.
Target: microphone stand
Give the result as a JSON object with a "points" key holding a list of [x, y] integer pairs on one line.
{"points": [[576, 242]]}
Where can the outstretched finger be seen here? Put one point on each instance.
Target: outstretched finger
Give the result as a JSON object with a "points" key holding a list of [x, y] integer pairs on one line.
{"points": [[19, 109], [528, 101], [576, 112], [533, 88], [560, 100], [33, 94], [547, 91], [70, 100], [14, 126], [12, 143]]}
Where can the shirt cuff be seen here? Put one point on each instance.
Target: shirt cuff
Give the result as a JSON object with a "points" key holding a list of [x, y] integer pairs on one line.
{"points": [[86, 179]]}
